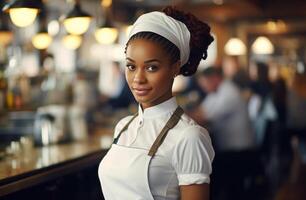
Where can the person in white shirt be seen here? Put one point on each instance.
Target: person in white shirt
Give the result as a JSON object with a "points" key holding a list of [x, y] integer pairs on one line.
{"points": [[225, 111], [160, 153]]}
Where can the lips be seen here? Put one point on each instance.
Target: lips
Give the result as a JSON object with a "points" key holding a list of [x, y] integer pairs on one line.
{"points": [[141, 91]]}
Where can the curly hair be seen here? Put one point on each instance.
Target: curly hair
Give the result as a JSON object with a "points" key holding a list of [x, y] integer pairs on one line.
{"points": [[200, 39]]}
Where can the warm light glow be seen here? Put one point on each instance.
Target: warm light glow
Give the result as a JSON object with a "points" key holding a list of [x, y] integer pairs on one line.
{"points": [[276, 26], [235, 47], [5, 37], [23, 17], [77, 25], [106, 3], [262, 45], [72, 41], [106, 35], [41, 40]]}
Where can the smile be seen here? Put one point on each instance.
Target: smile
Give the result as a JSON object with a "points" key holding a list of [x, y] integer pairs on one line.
{"points": [[141, 91]]}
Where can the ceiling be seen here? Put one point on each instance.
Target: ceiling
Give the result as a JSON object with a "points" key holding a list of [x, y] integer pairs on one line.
{"points": [[228, 11]]}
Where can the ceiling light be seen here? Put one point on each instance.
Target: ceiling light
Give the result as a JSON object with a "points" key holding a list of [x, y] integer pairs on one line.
{"points": [[235, 47], [72, 41], [262, 45], [77, 21], [23, 12], [106, 34], [41, 40], [106, 3]]}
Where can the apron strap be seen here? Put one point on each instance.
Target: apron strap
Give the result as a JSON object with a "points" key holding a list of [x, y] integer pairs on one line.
{"points": [[124, 128], [174, 119]]}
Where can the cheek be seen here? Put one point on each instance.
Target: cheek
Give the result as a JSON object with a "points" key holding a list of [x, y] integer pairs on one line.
{"points": [[161, 81], [128, 77]]}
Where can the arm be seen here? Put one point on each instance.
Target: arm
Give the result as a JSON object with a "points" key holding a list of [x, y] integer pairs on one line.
{"points": [[195, 192], [192, 160]]}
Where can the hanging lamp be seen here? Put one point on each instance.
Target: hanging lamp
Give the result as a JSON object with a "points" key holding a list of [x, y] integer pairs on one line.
{"points": [[262, 45], [72, 41], [23, 12], [41, 40], [77, 21], [235, 47], [107, 33]]}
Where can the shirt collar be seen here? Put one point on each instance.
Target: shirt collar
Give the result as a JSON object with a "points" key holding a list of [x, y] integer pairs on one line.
{"points": [[163, 108]]}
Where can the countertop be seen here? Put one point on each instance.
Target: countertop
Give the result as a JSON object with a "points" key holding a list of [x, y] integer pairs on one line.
{"points": [[39, 164]]}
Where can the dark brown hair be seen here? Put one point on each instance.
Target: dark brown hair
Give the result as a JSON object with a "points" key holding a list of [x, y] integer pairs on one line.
{"points": [[200, 39]]}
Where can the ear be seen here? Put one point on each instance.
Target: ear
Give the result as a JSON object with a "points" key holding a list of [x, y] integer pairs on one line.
{"points": [[176, 68]]}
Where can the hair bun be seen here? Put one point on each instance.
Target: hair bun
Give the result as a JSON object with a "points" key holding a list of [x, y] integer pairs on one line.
{"points": [[200, 38]]}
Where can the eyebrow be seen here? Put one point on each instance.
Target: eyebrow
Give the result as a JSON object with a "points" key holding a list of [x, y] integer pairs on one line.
{"points": [[147, 61]]}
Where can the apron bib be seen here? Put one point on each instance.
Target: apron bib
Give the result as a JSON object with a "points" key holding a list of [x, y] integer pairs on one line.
{"points": [[123, 172]]}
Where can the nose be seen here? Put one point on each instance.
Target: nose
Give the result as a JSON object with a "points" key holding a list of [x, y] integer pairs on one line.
{"points": [[140, 76]]}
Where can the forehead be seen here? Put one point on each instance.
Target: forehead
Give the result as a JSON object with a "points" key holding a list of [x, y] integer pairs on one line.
{"points": [[143, 48]]}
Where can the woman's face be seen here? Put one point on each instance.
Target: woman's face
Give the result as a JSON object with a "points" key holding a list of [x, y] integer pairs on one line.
{"points": [[149, 72]]}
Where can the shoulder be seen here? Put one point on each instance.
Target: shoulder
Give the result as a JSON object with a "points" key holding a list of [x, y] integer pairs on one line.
{"points": [[122, 122], [229, 87], [189, 131]]}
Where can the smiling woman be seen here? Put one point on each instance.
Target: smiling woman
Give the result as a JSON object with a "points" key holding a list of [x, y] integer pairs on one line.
{"points": [[149, 72], [160, 153]]}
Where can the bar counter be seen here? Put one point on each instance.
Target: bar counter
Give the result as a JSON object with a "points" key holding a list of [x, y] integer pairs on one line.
{"points": [[37, 165]]}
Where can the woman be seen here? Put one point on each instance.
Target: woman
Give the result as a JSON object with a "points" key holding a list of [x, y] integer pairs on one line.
{"points": [[160, 153]]}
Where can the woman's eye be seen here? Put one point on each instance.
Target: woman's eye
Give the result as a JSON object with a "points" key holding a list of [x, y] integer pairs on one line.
{"points": [[152, 68], [130, 67]]}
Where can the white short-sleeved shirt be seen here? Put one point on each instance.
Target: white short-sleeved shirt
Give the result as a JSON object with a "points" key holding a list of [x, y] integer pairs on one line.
{"points": [[184, 157]]}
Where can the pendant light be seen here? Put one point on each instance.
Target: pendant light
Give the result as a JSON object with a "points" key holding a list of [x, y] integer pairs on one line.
{"points": [[41, 40], [23, 12], [235, 47], [107, 33], [72, 41], [262, 45], [77, 21]]}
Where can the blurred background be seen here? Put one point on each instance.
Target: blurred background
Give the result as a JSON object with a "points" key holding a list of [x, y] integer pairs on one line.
{"points": [[62, 80]]}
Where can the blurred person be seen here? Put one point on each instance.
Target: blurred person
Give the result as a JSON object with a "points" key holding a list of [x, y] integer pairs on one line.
{"points": [[160, 153], [265, 119], [261, 107], [84, 102], [279, 99], [296, 101], [232, 136], [233, 70]]}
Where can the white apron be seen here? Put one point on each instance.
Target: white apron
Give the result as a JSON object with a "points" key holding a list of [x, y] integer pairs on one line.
{"points": [[123, 172]]}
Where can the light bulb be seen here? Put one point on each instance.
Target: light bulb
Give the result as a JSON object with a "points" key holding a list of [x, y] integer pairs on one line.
{"points": [[106, 35], [72, 41], [77, 25], [41, 40], [235, 47], [262, 45], [23, 17]]}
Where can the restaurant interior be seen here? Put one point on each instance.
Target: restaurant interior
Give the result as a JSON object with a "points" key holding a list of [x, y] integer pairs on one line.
{"points": [[63, 89]]}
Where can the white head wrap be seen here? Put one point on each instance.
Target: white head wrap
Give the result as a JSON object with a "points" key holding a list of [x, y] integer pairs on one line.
{"points": [[166, 26]]}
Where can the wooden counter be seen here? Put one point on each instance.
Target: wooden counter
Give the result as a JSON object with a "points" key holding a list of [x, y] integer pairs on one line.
{"points": [[37, 165]]}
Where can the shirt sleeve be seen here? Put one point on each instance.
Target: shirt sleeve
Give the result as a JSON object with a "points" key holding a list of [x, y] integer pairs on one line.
{"points": [[192, 157]]}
